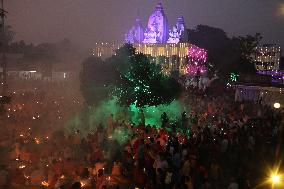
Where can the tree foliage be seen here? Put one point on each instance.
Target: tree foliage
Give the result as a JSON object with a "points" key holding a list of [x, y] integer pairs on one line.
{"points": [[128, 76], [6, 37], [145, 85], [282, 63], [225, 54]]}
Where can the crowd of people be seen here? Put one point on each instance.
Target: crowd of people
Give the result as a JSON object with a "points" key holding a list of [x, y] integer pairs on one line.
{"points": [[219, 144]]}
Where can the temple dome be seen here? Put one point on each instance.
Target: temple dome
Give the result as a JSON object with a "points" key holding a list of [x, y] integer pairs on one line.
{"points": [[136, 33], [158, 22], [181, 23]]}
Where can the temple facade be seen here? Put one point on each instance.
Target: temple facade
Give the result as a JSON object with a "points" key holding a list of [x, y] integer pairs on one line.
{"points": [[157, 29], [164, 46]]}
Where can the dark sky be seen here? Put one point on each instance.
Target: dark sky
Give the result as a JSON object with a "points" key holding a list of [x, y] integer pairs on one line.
{"points": [[90, 21]]}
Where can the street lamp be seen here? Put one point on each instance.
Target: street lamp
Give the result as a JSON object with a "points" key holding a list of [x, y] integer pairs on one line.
{"points": [[275, 179]]}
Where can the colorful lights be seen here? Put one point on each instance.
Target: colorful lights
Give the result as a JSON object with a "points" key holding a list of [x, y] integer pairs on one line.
{"points": [[197, 54], [197, 59], [194, 69]]}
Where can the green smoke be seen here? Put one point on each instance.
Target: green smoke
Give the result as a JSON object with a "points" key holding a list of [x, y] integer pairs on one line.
{"points": [[90, 118], [153, 113]]}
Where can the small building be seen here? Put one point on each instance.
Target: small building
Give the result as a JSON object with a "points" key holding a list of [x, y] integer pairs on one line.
{"points": [[267, 57]]}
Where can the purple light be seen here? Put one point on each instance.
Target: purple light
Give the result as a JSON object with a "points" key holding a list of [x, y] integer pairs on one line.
{"points": [[197, 54], [197, 59], [193, 69], [157, 26], [272, 73]]}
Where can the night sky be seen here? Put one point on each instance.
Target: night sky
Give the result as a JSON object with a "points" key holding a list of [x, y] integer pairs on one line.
{"points": [[88, 21]]}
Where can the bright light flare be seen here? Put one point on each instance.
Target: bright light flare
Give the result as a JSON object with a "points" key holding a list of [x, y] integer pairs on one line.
{"points": [[275, 179]]}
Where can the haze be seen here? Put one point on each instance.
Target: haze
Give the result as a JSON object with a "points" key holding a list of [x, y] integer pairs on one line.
{"points": [[88, 21]]}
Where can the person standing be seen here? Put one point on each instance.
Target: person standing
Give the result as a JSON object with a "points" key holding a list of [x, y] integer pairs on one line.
{"points": [[110, 126], [142, 118]]}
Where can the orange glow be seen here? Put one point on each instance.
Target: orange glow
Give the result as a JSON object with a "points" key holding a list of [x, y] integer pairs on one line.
{"points": [[44, 183], [82, 184], [22, 166], [281, 9], [37, 141]]}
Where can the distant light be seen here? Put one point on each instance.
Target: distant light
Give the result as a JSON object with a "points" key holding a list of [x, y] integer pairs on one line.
{"points": [[281, 10], [276, 105], [64, 75], [32, 71]]}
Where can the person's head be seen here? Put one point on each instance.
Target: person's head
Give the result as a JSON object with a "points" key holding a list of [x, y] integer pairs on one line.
{"points": [[62, 187], [100, 172], [76, 185]]}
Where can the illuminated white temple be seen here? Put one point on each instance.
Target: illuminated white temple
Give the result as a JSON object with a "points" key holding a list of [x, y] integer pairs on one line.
{"points": [[157, 30], [168, 47]]}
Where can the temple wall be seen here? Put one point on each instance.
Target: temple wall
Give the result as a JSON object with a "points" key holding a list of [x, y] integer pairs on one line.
{"points": [[169, 56]]}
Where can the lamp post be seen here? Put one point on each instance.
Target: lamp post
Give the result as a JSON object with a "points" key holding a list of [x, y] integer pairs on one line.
{"points": [[4, 46]]}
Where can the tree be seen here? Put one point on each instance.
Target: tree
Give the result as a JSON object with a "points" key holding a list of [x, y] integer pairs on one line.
{"points": [[282, 63], [225, 54], [244, 48], [128, 76], [218, 45], [4, 100], [142, 83], [7, 37]]}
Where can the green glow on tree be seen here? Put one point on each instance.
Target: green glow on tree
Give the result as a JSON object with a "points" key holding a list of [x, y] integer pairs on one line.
{"points": [[233, 77]]}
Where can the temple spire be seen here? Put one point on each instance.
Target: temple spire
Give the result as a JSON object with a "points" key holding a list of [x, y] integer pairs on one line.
{"points": [[159, 6]]}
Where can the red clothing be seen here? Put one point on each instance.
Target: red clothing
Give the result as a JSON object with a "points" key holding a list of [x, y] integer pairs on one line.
{"points": [[159, 148], [18, 177], [149, 160], [138, 175]]}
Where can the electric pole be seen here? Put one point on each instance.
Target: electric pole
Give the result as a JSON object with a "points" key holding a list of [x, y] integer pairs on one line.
{"points": [[4, 46]]}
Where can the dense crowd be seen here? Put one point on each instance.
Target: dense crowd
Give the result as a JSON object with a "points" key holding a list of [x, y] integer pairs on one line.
{"points": [[218, 144]]}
